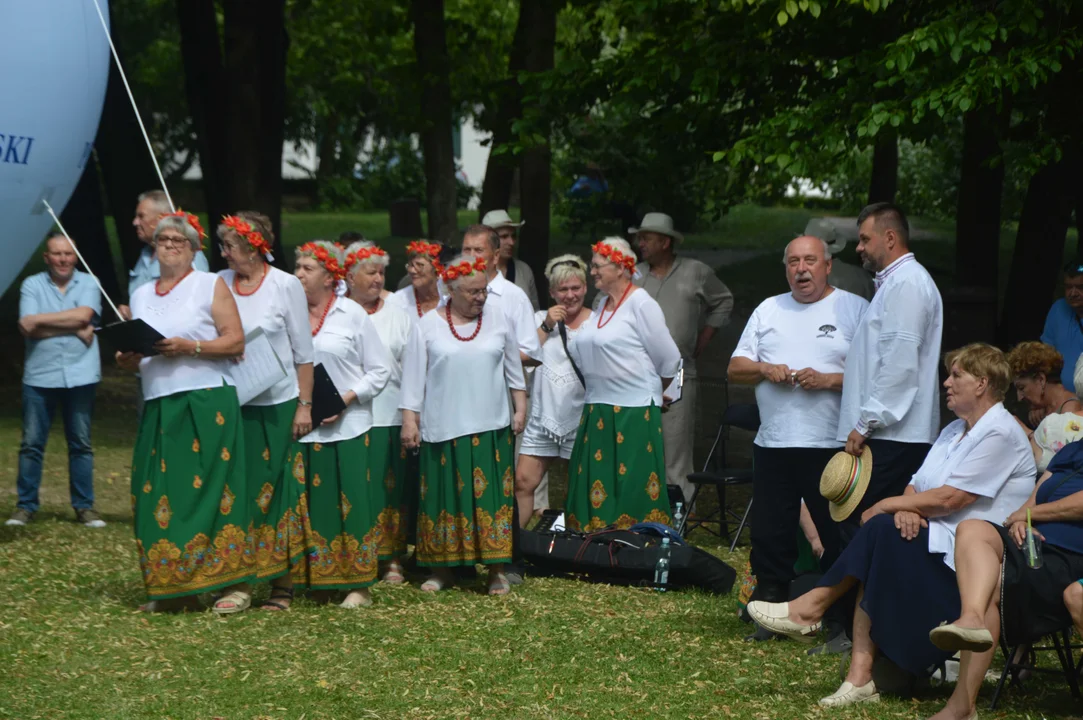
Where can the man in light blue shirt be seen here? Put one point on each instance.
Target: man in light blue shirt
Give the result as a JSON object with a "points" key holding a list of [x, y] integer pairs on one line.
{"points": [[57, 313], [1064, 324]]}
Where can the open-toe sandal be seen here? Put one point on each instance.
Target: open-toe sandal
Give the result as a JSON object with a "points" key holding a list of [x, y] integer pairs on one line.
{"points": [[436, 584], [278, 593], [241, 602], [499, 585]]}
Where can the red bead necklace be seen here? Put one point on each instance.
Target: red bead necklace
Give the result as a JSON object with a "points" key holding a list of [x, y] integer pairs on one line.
{"points": [[601, 313], [158, 283], [451, 326], [323, 317], [417, 301], [376, 308], [237, 285]]}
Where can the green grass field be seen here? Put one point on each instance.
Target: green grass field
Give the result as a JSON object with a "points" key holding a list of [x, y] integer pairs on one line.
{"points": [[73, 644]]}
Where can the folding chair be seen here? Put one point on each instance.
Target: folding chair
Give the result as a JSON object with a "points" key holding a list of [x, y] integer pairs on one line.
{"points": [[745, 416], [1061, 642]]}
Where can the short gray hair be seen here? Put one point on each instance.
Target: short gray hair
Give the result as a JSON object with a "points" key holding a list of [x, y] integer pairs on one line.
{"points": [[381, 260], [561, 268], [176, 222], [786, 250], [619, 243], [334, 250], [159, 198]]}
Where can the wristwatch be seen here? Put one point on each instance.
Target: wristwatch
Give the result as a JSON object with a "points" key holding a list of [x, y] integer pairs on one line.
{"points": [[545, 328], [304, 403], [199, 349]]}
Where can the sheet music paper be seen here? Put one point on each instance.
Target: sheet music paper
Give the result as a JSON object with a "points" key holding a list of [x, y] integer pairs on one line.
{"points": [[260, 370], [674, 391]]}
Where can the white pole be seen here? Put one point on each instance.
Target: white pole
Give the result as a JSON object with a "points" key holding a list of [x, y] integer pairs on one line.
{"points": [[80, 256]]}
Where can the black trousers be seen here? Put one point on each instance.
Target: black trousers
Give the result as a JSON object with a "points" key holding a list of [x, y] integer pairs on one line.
{"points": [[893, 465], [783, 477]]}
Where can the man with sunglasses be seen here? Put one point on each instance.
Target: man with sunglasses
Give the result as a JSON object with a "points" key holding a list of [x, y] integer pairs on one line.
{"points": [[1064, 324]]}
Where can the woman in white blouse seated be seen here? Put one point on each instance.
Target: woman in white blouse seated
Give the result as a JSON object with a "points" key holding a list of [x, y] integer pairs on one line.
{"points": [[460, 363], [342, 502], [617, 472], [188, 468], [557, 400], [273, 302], [423, 268], [366, 274], [902, 560]]}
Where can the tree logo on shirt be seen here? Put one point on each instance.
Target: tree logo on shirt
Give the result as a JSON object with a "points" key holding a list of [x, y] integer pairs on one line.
{"points": [[826, 330]]}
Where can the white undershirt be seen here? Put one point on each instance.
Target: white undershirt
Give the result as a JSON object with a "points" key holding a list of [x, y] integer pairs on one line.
{"points": [[557, 397]]}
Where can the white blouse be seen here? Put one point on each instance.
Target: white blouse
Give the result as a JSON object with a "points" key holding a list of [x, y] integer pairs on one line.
{"points": [[407, 300], [557, 397], [625, 360], [393, 325], [460, 388], [279, 307], [350, 350], [184, 312], [993, 461]]}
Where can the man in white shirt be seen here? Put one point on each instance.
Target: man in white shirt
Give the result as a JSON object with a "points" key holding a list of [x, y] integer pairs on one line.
{"points": [[794, 349], [891, 394], [513, 269]]}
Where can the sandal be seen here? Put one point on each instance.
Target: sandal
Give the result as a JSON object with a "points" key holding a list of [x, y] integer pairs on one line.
{"points": [[363, 601], [436, 584], [394, 575], [278, 593], [241, 602], [498, 584]]}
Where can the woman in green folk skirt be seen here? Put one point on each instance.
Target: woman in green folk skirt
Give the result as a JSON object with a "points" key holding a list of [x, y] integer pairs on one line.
{"points": [[272, 302], [366, 267], [460, 362], [343, 501], [617, 472], [193, 527]]}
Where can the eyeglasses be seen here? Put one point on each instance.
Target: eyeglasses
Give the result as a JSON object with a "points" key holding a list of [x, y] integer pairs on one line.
{"points": [[417, 265], [169, 241], [476, 293], [596, 266]]}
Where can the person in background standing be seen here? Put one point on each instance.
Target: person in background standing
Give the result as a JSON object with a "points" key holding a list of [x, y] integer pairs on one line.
{"points": [[514, 270], [57, 312], [695, 304], [844, 276], [1064, 323]]}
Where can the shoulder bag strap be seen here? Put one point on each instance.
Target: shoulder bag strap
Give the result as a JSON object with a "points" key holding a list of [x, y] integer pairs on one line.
{"points": [[564, 341]]}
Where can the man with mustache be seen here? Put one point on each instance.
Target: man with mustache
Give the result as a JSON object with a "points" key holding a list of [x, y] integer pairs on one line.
{"points": [[793, 350], [57, 312]]}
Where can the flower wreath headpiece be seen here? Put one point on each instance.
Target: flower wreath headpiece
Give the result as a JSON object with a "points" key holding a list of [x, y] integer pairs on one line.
{"points": [[244, 229], [329, 263], [428, 249], [628, 262], [362, 254], [462, 269], [192, 220]]}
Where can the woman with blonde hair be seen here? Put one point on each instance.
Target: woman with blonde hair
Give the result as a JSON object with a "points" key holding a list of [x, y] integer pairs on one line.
{"points": [[617, 472], [557, 398], [366, 274]]}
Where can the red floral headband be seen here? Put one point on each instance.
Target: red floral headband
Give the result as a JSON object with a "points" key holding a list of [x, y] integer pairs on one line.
{"points": [[245, 230], [192, 220], [429, 250], [362, 254], [324, 258], [463, 269], [615, 256]]}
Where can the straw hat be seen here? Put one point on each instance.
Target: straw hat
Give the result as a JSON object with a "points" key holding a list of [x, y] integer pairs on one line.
{"points": [[498, 219], [657, 223], [844, 482]]}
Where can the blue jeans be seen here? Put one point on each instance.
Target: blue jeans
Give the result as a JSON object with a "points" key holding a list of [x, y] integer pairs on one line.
{"points": [[39, 407]]}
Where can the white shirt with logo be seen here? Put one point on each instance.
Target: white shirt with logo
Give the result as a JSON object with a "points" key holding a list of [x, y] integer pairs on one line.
{"points": [[815, 335]]}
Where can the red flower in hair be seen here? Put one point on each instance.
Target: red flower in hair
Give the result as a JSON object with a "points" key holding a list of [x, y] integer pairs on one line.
{"points": [[191, 219], [324, 258], [362, 254], [244, 229], [462, 270], [628, 262]]}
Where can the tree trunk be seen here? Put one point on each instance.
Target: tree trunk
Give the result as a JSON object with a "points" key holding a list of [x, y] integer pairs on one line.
{"points": [[84, 215], [433, 62], [1039, 251], [885, 168], [981, 184], [500, 169], [535, 172]]}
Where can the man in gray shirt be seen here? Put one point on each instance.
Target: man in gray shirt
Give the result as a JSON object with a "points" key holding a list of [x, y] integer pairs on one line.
{"points": [[695, 304]]}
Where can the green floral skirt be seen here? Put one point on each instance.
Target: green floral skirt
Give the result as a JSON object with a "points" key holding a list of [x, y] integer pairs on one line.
{"points": [[193, 525], [342, 512], [276, 484], [465, 500], [617, 473], [387, 461]]}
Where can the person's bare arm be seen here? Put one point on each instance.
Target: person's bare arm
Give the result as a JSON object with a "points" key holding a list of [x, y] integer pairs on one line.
{"points": [[746, 371], [65, 322], [230, 340]]}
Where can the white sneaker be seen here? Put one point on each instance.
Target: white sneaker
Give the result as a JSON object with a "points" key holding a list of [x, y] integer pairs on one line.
{"points": [[89, 518], [848, 694]]}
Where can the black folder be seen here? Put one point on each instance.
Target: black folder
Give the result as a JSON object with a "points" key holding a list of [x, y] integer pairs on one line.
{"points": [[326, 402], [131, 336]]}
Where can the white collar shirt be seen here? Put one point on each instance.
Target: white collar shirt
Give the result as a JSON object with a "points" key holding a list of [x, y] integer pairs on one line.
{"points": [[393, 325]]}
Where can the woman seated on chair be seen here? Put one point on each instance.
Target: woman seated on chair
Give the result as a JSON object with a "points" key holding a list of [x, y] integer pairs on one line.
{"points": [[902, 559], [1037, 371], [991, 564]]}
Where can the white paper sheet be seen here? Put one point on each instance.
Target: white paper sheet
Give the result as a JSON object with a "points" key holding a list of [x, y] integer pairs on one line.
{"points": [[260, 370], [674, 391]]}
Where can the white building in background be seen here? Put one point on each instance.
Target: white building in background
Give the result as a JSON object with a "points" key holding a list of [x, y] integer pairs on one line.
{"points": [[299, 161]]}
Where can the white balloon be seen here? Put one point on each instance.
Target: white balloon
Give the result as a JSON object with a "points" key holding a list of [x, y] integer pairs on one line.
{"points": [[55, 57]]}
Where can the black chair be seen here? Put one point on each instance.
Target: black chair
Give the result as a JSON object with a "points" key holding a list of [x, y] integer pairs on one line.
{"points": [[745, 416], [1061, 642]]}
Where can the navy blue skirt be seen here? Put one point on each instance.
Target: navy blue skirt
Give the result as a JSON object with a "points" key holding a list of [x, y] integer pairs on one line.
{"points": [[908, 591]]}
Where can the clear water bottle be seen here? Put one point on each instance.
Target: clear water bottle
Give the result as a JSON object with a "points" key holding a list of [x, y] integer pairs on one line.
{"points": [[678, 517], [661, 568]]}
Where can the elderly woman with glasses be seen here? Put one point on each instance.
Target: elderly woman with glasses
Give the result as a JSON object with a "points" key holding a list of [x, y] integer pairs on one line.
{"points": [[336, 454], [366, 267], [272, 302], [557, 391], [617, 471], [423, 269], [188, 468], [460, 363]]}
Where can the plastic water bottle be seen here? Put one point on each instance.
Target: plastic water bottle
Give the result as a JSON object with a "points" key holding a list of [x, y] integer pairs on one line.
{"points": [[678, 517], [661, 568]]}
